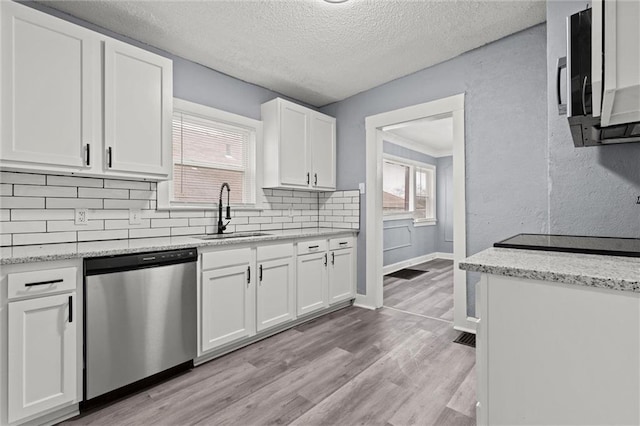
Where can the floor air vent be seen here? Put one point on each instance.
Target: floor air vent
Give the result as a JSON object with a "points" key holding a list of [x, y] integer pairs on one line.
{"points": [[465, 338], [406, 274]]}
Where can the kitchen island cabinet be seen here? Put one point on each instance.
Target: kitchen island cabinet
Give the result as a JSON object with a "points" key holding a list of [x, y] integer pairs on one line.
{"points": [[558, 338]]}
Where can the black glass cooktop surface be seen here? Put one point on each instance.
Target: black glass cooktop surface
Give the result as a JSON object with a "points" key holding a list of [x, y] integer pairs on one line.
{"points": [[610, 246]]}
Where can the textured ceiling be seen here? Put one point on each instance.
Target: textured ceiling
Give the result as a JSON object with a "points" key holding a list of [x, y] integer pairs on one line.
{"points": [[311, 50]]}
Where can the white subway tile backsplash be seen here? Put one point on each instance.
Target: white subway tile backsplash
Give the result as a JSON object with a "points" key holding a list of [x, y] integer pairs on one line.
{"points": [[149, 232], [121, 194], [126, 184], [41, 214], [126, 204], [74, 181], [70, 225], [74, 203], [6, 189], [21, 203], [44, 191], [23, 178], [39, 209], [22, 227], [44, 238], [112, 234]]}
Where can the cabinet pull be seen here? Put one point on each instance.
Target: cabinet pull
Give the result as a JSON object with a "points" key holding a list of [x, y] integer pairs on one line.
{"points": [[333, 258], [308, 178], [70, 308], [88, 160], [260, 275], [109, 157], [325, 259], [315, 176], [344, 243], [313, 247], [44, 282], [248, 274]]}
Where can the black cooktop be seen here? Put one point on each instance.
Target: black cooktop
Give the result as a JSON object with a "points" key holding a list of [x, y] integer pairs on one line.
{"points": [[610, 246]]}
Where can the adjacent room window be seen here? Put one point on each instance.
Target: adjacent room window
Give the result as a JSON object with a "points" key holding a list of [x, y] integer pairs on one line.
{"points": [[211, 147], [408, 189]]}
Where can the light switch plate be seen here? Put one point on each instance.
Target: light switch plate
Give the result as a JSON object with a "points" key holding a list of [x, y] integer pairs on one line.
{"points": [[82, 216], [134, 217], [361, 187]]}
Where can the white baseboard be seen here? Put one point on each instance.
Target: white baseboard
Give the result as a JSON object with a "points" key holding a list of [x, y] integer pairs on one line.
{"points": [[415, 261], [362, 301]]}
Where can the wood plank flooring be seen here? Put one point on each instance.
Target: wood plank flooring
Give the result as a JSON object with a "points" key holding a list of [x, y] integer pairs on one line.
{"points": [[351, 367], [429, 294]]}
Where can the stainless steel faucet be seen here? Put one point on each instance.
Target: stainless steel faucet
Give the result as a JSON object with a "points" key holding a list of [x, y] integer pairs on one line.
{"points": [[221, 226]]}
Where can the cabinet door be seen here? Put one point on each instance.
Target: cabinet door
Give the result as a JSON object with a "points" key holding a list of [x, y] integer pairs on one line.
{"points": [[294, 147], [138, 98], [227, 306], [312, 282], [50, 73], [276, 302], [42, 355], [341, 276], [323, 151]]}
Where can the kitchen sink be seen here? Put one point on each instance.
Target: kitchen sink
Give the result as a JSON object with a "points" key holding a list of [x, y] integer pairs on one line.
{"points": [[232, 235]]}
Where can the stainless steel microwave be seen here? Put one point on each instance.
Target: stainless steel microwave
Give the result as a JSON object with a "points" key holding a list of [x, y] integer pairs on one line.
{"points": [[585, 67]]}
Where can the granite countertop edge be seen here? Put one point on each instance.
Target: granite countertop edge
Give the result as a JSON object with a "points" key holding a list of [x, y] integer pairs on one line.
{"points": [[496, 261], [161, 243]]}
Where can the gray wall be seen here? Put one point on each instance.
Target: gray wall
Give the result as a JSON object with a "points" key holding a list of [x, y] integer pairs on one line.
{"points": [[444, 204], [401, 239], [592, 191], [506, 121]]}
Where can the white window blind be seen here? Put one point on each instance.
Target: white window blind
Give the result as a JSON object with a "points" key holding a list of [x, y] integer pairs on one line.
{"points": [[207, 153]]}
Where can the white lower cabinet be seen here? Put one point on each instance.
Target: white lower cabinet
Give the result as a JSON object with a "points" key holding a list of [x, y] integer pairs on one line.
{"points": [[312, 282], [42, 350], [228, 301], [341, 275], [276, 286]]}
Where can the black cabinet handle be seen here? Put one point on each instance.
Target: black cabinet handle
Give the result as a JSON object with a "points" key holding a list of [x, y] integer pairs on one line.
{"points": [[315, 175], [333, 258], [325, 259], [313, 247], [344, 243], [109, 157], [260, 276], [308, 178], [562, 63], [70, 308], [88, 161], [44, 282], [248, 274]]}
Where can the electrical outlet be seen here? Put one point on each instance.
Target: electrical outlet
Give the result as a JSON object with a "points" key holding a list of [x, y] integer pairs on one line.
{"points": [[134, 217], [82, 216], [290, 211]]}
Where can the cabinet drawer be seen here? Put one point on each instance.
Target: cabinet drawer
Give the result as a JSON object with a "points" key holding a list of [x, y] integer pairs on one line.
{"points": [[224, 258], [276, 251], [36, 283], [340, 243], [305, 247]]}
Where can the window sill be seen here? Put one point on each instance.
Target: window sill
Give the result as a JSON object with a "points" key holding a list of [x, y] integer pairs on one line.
{"points": [[424, 222], [404, 216]]}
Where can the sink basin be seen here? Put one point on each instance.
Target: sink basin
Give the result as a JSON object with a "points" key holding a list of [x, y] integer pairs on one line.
{"points": [[232, 235]]}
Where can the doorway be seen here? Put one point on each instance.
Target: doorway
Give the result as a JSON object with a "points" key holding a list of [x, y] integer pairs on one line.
{"points": [[453, 107]]}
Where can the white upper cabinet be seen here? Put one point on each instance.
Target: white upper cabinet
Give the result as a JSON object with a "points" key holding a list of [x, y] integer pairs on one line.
{"points": [[48, 88], [299, 147], [137, 109], [54, 109]]}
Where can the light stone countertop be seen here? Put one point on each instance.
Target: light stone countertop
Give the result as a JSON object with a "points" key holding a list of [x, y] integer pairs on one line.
{"points": [[609, 272], [48, 252]]}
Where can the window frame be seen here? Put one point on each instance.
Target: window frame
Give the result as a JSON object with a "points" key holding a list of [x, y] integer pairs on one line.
{"points": [[165, 188], [413, 165]]}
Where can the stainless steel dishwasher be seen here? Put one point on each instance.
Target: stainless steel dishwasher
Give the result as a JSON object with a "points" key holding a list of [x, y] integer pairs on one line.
{"points": [[140, 320]]}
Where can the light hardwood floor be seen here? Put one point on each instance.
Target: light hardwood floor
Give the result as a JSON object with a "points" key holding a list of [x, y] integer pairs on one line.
{"points": [[352, 367]]}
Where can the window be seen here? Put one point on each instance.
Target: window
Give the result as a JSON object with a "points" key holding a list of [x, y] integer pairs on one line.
{"points": [[211, 147], [408, 189]]}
